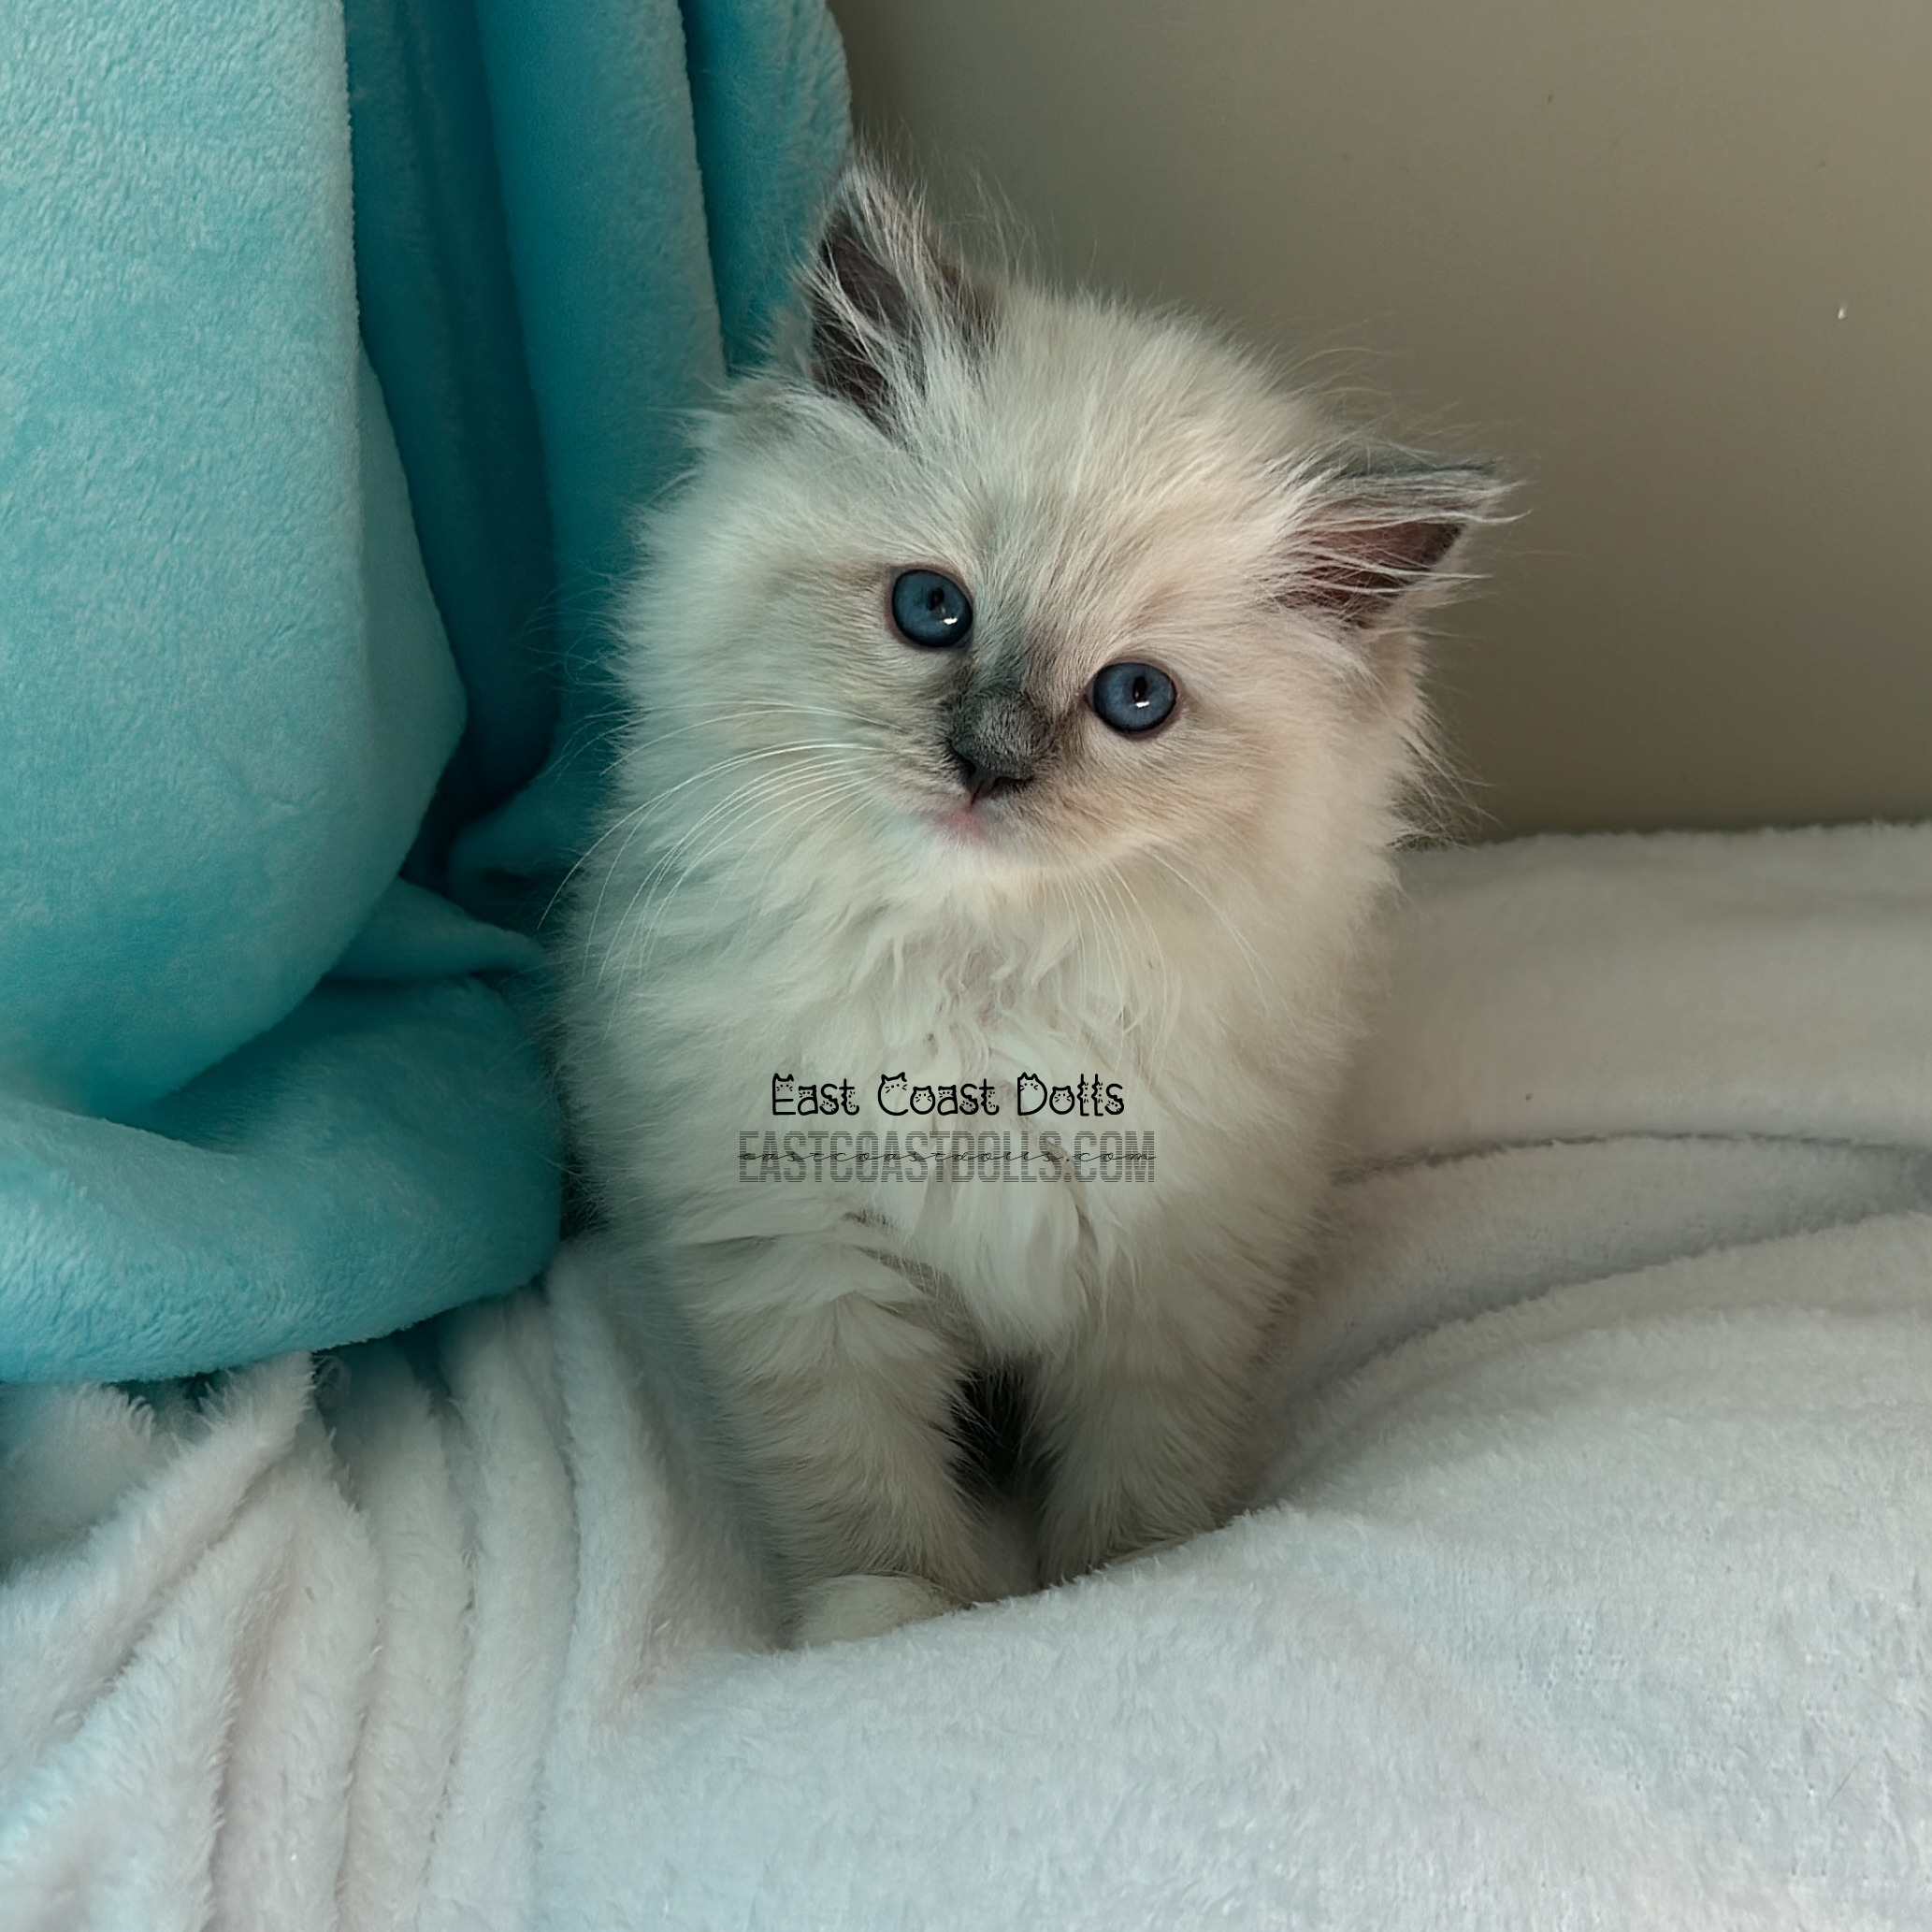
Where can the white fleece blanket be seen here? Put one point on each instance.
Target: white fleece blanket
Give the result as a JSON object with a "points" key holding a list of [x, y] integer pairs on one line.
{"points": [[1592, 1588]]}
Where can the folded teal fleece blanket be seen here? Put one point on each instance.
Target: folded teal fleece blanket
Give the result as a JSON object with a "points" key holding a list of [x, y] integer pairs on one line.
{"points": [[339, 343]]}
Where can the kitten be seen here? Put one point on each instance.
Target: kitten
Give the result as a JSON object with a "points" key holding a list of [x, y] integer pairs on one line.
{"points": [[1018, 686]]}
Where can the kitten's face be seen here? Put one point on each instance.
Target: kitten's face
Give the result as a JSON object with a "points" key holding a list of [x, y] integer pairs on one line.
{"points": [[1016, 585]]}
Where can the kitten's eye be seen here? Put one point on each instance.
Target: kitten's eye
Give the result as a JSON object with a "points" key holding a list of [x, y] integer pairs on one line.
{"points": [[931, 610], [1131, 697]]}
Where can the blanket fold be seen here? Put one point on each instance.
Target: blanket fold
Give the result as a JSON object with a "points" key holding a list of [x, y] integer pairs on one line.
{"points": [[261, 586], [1587, 1589]]}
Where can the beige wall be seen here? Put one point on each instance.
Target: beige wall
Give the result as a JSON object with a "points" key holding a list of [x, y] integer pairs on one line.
{"points": [[1608, 243]]}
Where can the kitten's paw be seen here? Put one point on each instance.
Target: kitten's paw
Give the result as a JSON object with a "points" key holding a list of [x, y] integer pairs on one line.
{"points": [[842, 1609]]}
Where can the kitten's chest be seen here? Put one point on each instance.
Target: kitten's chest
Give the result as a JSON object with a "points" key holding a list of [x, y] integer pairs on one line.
{"points": [[965, 1022], [1024, 1138]]}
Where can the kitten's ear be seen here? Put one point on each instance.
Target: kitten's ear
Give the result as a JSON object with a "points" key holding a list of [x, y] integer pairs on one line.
{"points": [[1369, 538], [880, 291]]}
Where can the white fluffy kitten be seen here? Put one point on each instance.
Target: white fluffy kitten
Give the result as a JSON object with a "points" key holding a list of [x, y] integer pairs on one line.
{"points": [[1018, 685]]}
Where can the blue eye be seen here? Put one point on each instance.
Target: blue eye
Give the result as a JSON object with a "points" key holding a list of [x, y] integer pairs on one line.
{"points": [[931, 611], [1131, 697]]}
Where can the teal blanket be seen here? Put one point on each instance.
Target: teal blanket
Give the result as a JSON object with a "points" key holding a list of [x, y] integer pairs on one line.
{"points": [[340, 342]]}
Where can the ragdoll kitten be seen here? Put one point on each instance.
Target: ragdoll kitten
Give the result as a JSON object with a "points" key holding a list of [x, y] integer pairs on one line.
{"points": [[1019, 687]]}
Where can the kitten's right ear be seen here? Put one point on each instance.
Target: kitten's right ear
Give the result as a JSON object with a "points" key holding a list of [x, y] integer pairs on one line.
{"points": [[880, 290], [1372, 536]]}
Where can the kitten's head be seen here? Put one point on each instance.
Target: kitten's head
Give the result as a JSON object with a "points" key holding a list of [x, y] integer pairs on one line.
{"points": [[987, 584]]}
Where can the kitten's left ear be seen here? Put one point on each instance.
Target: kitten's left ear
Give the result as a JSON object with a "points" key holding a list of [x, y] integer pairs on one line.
{"points": [[1369, 538], [880, 292]]}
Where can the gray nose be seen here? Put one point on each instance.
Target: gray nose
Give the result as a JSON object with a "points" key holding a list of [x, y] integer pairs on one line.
{"points": [[987, 780], [996, 738]]}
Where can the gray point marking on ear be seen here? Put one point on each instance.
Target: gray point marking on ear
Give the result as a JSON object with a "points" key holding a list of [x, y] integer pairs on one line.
{"points": [[1379, 530], [855, 300], [880, 289]]}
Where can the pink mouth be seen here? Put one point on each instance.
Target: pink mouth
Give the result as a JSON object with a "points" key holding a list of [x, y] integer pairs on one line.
{"points": [[964, 823]]}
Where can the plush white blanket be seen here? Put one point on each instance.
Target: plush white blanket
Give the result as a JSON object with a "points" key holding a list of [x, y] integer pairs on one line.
{"points": [[1591, 1591]]}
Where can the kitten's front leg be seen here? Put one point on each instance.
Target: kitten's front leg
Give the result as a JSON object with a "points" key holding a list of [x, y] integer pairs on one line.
{"points": [[1146, 1422], [840, 1387]]}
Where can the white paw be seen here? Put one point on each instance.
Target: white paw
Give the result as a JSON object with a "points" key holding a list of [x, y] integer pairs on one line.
{"points": [[842, 1609]]}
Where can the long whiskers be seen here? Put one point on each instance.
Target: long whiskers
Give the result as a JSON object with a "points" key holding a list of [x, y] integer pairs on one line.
{"points": [[779, 803], [758, 786], [705, 718], [634, 821]]}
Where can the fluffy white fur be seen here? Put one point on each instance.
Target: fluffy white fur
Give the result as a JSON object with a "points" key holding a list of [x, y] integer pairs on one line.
{"points": [[796, 879], [1597, 1598]]}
